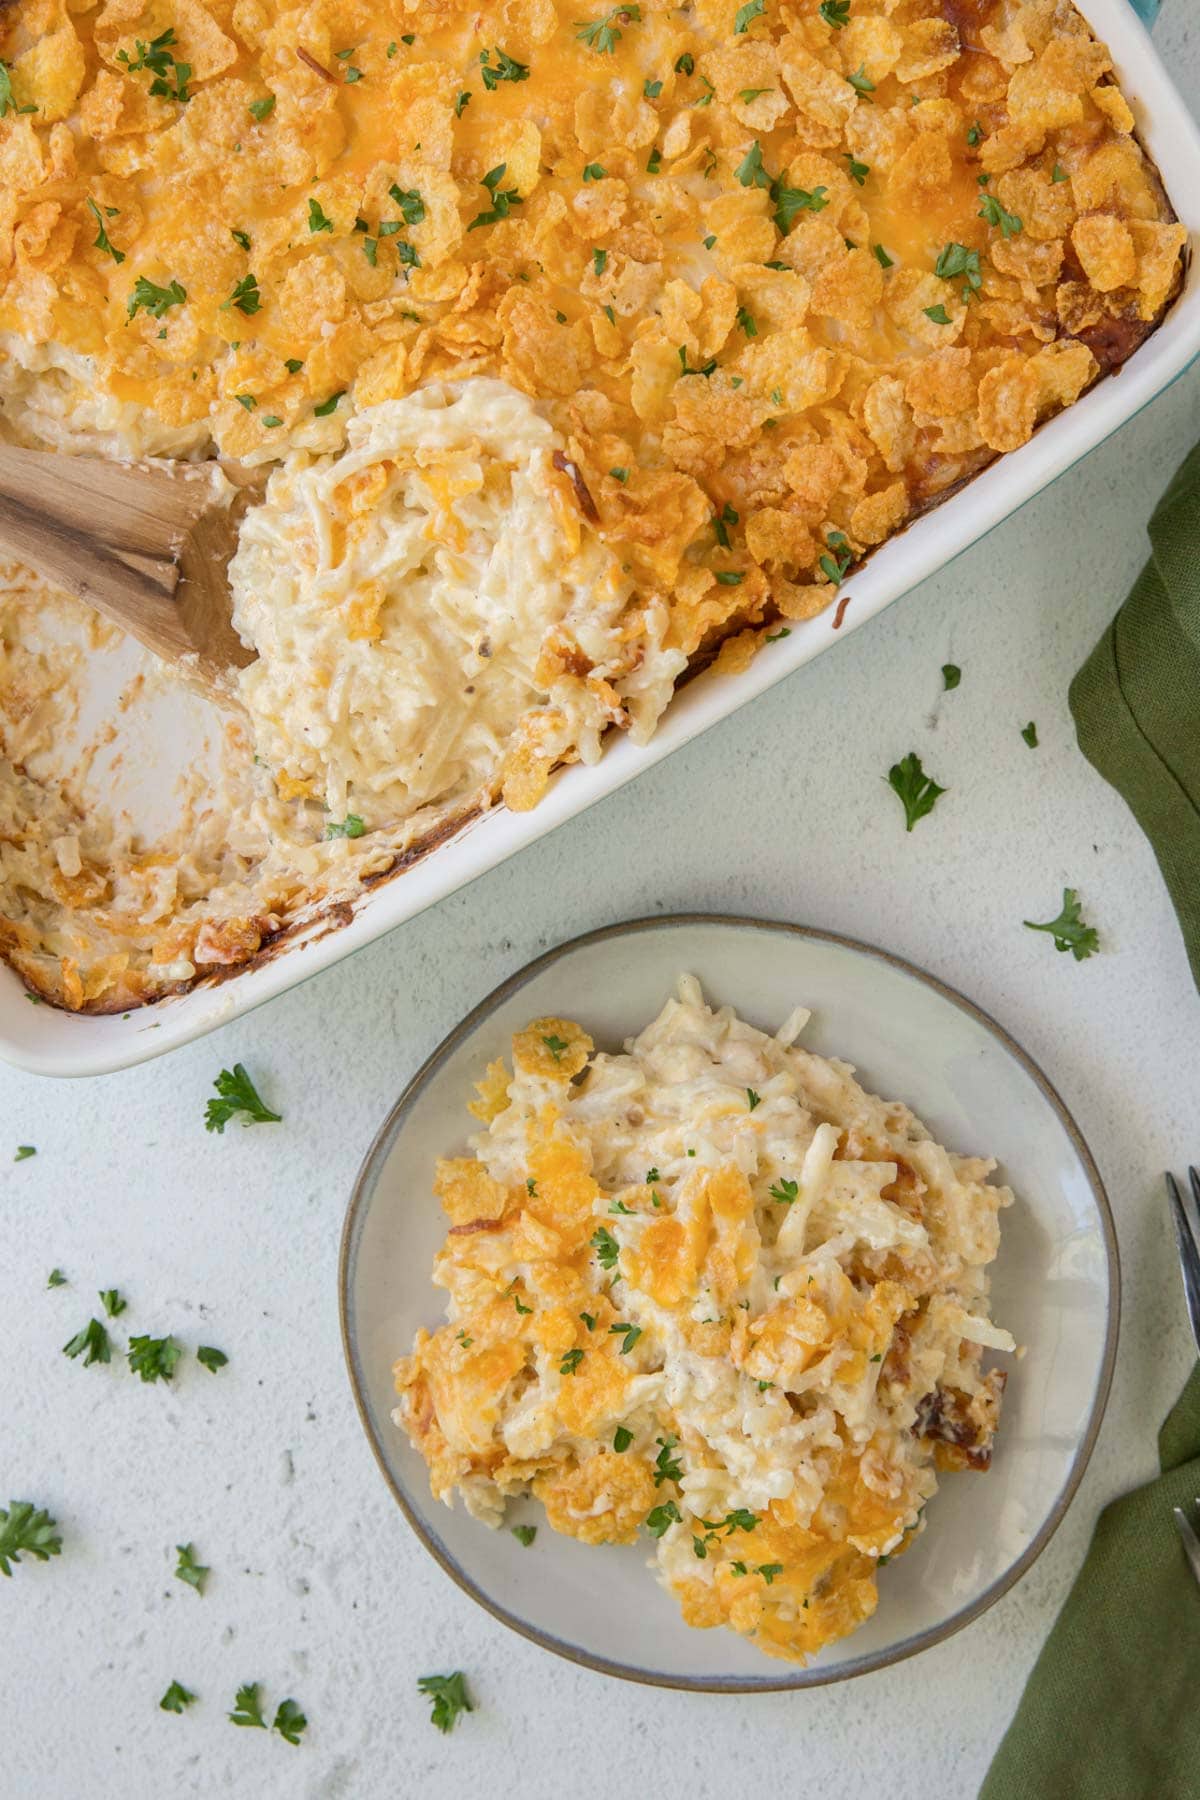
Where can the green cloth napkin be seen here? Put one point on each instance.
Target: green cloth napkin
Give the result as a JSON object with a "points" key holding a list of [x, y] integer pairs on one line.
{"points": [[1136, 700], [1112, 1709]]}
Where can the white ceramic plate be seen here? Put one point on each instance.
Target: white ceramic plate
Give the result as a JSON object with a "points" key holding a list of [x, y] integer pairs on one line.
{"points": [[1055, 1287]]}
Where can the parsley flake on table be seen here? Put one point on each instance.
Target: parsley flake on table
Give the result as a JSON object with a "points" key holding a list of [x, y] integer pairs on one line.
{"points": [[189, 1570], [154, 1359], [113, 1303], [449, 1695], [784, 1191], [26, 1530], [918, 792], [1069, 930], [148, 297], [1029, 733], [211, 1359], [237, 1094], [176, 1698], [622, 1438], [24, 1152], [951, 675], [247, 1707], [289, 1721], [660, 1517], [601, 35], [92, 1343], [524, 1534], [56, 1278]]}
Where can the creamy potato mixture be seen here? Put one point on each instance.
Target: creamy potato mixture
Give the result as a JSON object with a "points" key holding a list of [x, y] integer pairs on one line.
{"points": [[580, 350], [712, 1296]]}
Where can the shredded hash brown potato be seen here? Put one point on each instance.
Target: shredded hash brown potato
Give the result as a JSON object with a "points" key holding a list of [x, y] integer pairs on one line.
{"points": [[713, 1292], [719, 298]]}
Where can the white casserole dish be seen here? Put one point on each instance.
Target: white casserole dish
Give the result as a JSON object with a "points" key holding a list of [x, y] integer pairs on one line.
{"points": [[47, 1041]]}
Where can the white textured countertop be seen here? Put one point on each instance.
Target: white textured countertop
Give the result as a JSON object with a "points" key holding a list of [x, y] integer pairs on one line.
{"points": [[318, 1589]]}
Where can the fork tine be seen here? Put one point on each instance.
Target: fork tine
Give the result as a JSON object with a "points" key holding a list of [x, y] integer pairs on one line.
{"points": [[1191, 1543], [1189, 1250]]}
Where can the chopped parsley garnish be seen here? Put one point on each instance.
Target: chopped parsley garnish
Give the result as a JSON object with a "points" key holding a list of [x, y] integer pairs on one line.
{"points": [[245, 297], [589, 1320], [995, 214], [289, 1721], [464, 1340], [784, 1191], [860, 82], [686, 64], [599, 261], [594, 172], [955, 260], [462, 103], [721, 522], [518, 1305], [951, 675], [654, 161], [835, 565], [601, 35], [632, 1334], [247, 1707], [1058, 173], [665, 1466], [660, 1517], [857, 171], [556, 1045], [56, 1278], [176, 1698], [502, 200], [246, 400], [270, 421], [1029, 733], [318, 220], [24, 1152], [349, 827], [835, 13], [524, 1534], [240, 238], [237, 1094], [974, 133], [749, 95], [26, 1530], [769, 1571], [750, 171], [157, 58], [262, 109], [938, 314], [753, 9], [210, 1358], [622, 1438], [882, 257], [699, 1548], [113, 1304], [918, 792], [606, 1247], [449, 1696], [189, 1570], [154, 1359], [293, 365], [503, 69], [651, 89], [753, 1098], [1068, 930], [148, 297], [409, 200], [791, 201], [92, 1343], [531, 1186], [731, 577], [619, 1206], [773, 637], [570, 1362], [7, 102], [621, 475], [329, 406], [686, 369], [101, 241], [371, 251]]}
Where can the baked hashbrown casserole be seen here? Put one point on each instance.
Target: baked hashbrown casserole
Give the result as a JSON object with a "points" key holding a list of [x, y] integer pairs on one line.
{"points": [[713, 1292], [581, 349]]}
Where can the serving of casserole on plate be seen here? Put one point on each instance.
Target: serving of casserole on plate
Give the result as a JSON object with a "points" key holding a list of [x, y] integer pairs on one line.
{"points": [[713, 1307], [581, 354]]}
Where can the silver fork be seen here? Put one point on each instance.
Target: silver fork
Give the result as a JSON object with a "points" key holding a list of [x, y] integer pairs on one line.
{"points": [[1189, 1260]]}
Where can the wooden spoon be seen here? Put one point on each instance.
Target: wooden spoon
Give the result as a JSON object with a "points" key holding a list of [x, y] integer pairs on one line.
{"points": [[147, 547]]}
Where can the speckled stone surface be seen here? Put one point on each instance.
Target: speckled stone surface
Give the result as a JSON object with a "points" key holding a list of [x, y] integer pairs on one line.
{"points": [[318, 1590]]}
